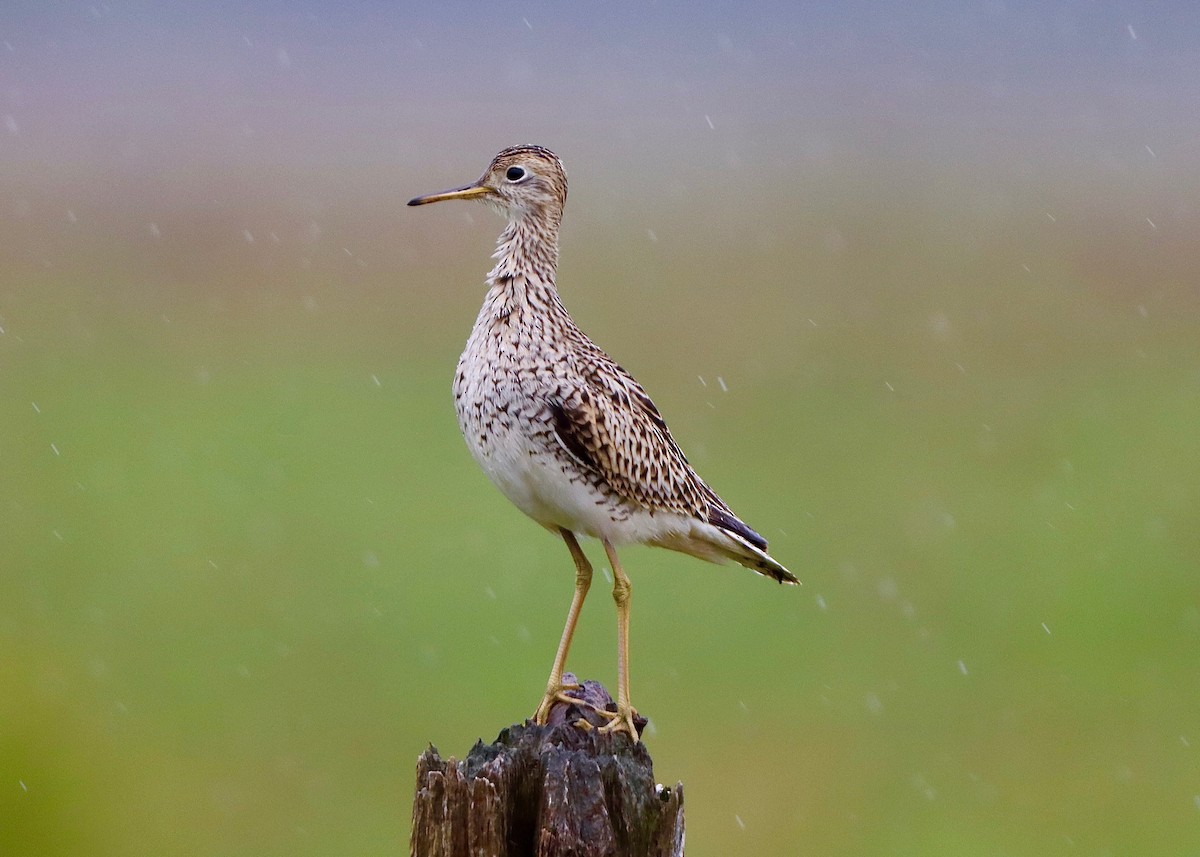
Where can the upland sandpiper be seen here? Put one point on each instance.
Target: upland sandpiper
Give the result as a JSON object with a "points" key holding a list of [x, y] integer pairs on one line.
{"points": [[563, 431]]}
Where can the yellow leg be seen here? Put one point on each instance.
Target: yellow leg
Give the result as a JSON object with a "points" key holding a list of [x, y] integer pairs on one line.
{"points": [[622, 591], [583, 580]]}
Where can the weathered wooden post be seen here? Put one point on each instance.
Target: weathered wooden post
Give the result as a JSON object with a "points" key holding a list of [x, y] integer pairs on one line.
{"points": [[559, 790]]}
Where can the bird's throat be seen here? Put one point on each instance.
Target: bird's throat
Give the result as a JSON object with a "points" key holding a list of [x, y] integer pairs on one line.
{"points": [[526, 250], [524, 277]]}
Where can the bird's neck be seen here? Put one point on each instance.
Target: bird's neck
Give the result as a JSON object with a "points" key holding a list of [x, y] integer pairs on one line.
{"points": [[526, 263], [527, 250]]}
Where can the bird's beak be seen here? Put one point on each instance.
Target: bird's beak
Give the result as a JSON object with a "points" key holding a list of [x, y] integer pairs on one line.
{"points": [[471, 191]]}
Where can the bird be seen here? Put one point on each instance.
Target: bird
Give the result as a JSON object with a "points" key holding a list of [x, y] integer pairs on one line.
{"points": [[565, 433]]}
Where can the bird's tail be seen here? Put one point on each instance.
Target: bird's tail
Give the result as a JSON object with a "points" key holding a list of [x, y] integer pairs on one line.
{"points": [[755, 558], [724, 538], [742, 544]]}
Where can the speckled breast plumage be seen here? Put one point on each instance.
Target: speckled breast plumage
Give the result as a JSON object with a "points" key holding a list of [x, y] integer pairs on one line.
{"points": [[512, 371]]}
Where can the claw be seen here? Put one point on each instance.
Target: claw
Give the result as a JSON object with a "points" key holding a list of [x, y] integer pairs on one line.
{"points": [[621, 721], [553, 696]]}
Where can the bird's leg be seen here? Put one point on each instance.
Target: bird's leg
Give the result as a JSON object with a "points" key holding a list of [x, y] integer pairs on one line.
{"points": [[622, 590], [554, 686]]}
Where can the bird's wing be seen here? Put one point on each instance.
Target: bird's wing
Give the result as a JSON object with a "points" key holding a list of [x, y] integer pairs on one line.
{"points": [[608, 423], [605, 421]]}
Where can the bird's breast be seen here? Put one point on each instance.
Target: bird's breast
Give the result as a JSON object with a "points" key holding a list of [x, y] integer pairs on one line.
{"points": [[502, 391]]}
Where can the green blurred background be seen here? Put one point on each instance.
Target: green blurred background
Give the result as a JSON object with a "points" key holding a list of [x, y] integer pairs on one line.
{"points": [[915, 285]]}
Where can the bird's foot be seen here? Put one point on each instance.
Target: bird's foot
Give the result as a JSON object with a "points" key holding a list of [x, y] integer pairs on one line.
{"points": [[623, 721], [556, 693], [586, 705]]}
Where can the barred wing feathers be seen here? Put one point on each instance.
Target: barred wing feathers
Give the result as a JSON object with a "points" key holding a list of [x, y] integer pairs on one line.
{"points": [[605, 420]]}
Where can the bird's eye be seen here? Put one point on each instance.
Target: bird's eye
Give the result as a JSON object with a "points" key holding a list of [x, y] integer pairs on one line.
{"points": [[514, 174]]}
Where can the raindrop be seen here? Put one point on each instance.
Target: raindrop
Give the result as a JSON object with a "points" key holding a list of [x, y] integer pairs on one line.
{"points": [[709, 121], [741, 824], [962, 667], [154, 230], [721, 383], [922, 785], [55, 448], [874, 703]]}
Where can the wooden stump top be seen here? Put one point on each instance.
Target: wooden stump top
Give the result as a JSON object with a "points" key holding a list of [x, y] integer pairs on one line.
{"points": [[546, 791]]}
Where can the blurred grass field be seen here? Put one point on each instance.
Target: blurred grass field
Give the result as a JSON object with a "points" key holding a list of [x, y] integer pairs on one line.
{"points": [[250, 571]]}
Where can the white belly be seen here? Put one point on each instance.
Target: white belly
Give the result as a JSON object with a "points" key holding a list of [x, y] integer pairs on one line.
{"points": [[536, 482], [558, 497]]}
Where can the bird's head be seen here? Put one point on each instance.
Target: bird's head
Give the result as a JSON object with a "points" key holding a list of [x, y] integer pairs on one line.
{"points": [[521, 182]]}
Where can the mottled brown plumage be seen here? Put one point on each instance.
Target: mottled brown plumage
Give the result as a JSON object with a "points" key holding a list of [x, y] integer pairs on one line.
{"points": [[565, 433]]}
